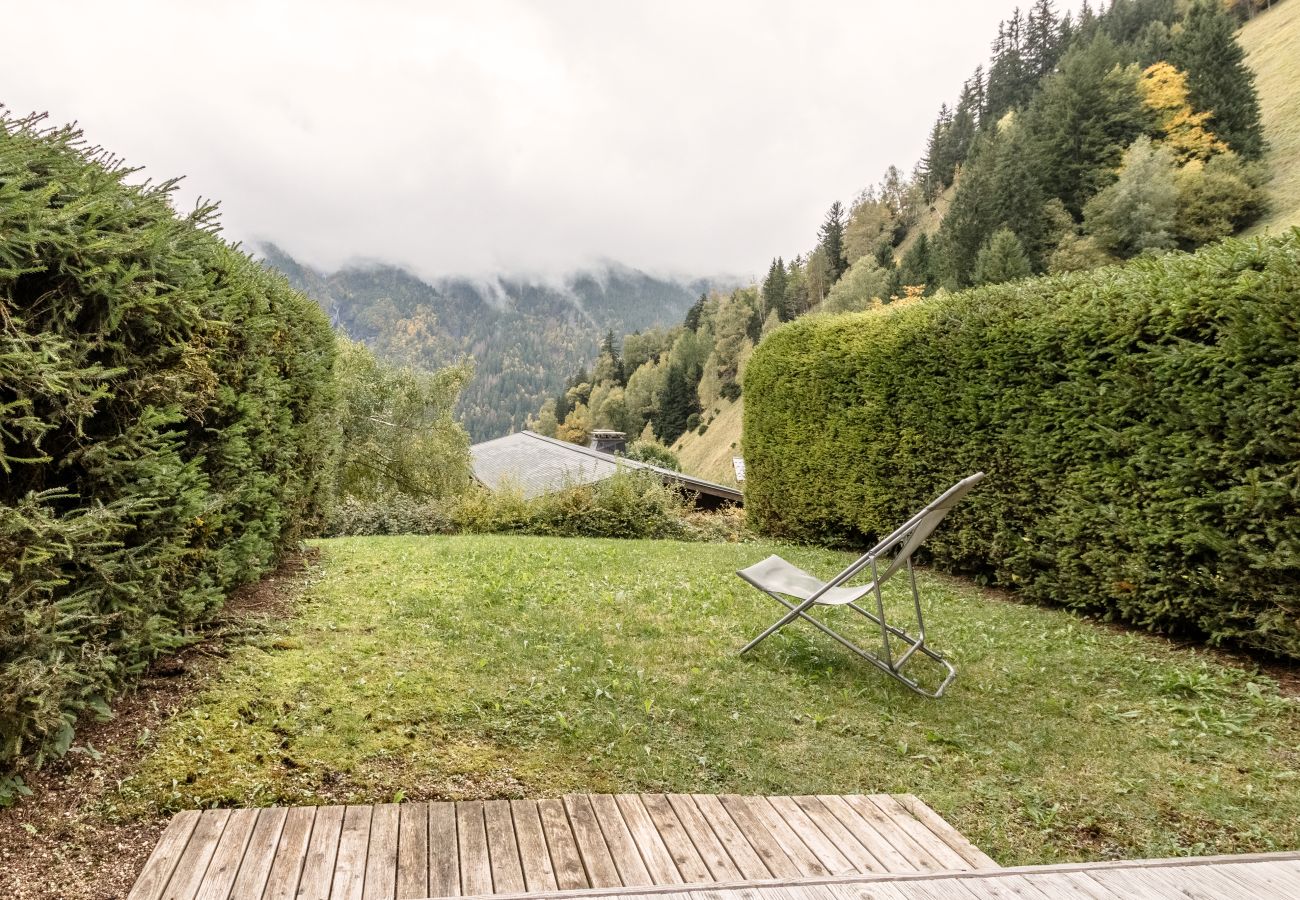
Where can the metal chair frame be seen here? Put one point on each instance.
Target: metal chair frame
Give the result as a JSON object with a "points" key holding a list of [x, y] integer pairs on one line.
{"points": [[902, 543]]}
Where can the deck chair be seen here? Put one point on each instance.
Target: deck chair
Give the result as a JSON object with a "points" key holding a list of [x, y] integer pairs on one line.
{"points": [[781, 580]]}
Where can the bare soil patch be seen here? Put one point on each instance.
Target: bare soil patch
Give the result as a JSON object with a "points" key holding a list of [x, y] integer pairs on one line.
{"points": [[63, 841]]}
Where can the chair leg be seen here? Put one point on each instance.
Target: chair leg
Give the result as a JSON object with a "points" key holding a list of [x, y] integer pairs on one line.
{"points": [[893, 669], [795, 612]]}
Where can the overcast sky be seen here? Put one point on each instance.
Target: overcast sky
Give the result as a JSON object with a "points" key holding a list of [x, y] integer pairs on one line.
{"points": [[506, 137]]}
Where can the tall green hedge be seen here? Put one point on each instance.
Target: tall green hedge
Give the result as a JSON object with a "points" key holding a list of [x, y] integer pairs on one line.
{"points": [[1138, 424], [167, 425]]}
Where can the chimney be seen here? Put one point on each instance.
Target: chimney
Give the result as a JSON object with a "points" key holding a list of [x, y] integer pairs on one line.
{"points": [[608, 441]]}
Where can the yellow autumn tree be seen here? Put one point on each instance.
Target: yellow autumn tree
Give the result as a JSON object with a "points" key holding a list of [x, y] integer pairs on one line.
{"points": [[1186, 134]]}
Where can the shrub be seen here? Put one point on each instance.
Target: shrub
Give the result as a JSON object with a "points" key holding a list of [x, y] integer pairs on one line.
{"points": [[167, 428], [1139, 426], [654, 453], [631, 504]]}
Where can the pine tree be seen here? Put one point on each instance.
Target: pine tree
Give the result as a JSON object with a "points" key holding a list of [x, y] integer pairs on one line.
{"points": [[832, 241], [1041, 36], [917, 267], [933, 170], [1002, 258], [1087, 112], [961, 131], [695, 313], [677, 404], [609, 364], [774, 300], [1218, 79]]}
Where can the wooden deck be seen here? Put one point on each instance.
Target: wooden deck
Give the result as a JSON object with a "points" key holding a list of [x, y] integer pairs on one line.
{"points": [[584, 841], [1268, 876]]}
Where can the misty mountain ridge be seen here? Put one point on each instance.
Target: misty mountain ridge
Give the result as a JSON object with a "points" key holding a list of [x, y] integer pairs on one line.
{"points": [[526, 335]]}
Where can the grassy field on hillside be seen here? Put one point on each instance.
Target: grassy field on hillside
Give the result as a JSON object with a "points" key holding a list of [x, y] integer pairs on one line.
{"points": [[1272, 44], [709, 455], [454, 667]]}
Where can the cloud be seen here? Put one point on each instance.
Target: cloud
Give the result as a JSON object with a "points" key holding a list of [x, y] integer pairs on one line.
{"points": [[481, 138]]}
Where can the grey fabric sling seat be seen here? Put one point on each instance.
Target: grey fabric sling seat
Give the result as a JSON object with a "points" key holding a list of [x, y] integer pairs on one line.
{"points": [[781, 580]]}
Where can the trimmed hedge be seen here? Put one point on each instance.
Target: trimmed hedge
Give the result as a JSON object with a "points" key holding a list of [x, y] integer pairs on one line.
{"points": [[1138, 424], [167, 427]]}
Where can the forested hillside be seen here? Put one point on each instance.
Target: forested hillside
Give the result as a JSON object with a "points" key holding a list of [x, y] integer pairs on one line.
{"points": [[1129, 130], [524, 337]]}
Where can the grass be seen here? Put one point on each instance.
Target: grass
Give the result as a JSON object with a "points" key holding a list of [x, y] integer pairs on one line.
{"points": [[1270, 40], [508, 666], [710, 455]]}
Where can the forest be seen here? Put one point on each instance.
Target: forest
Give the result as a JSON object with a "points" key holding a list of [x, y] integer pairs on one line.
{"points": [[1129, 130], [519, 337]]}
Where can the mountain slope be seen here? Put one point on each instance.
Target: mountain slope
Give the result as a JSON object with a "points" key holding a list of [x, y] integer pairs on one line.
{"points": [[525, 337], [1272, 44], [709, 455]]}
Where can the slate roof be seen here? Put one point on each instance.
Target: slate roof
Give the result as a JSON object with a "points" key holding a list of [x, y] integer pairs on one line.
{"points": [[539, 465]]}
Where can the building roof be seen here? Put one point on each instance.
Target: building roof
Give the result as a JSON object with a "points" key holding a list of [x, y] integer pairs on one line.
{"points": [[539, 465]]}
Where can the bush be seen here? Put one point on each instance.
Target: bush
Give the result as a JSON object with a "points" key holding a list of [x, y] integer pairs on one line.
{"points": [[1139, 426], [653, 453], [631, 504], [167, 428]]}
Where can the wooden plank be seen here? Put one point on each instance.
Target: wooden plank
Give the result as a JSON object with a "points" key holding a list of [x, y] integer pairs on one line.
{"points": [[1281, 880], [1120, 883], [851, 891], [444, 851], [835, 861], [503, 849], [412, 850], [658, 860], [977, 858], [220, 877], [690, 865], [917, 852], [322, 851], [1083, 886], [158, 869], [733, 839], [1211, 878], [567, 862], [857, 853], [349, 879], [381, 858], [539, 874], [255, 869], [618, 837], [803, 859], [765, 844], [475, 860], [601, 871], [706, 842], [282, 883], [890, 857], [199, 850], [1044, 887]]}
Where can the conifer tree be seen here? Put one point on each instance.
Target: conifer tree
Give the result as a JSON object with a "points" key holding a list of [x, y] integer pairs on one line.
{"points": [[1041, 39], [1087, 112], [832, 241], [678, 402], [774, 300], [917, 267], [1002, 258], [695, 313], [1218, 79]]}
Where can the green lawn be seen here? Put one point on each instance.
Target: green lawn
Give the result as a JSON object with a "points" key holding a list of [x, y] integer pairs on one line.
{"points": [[504, 666]]}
